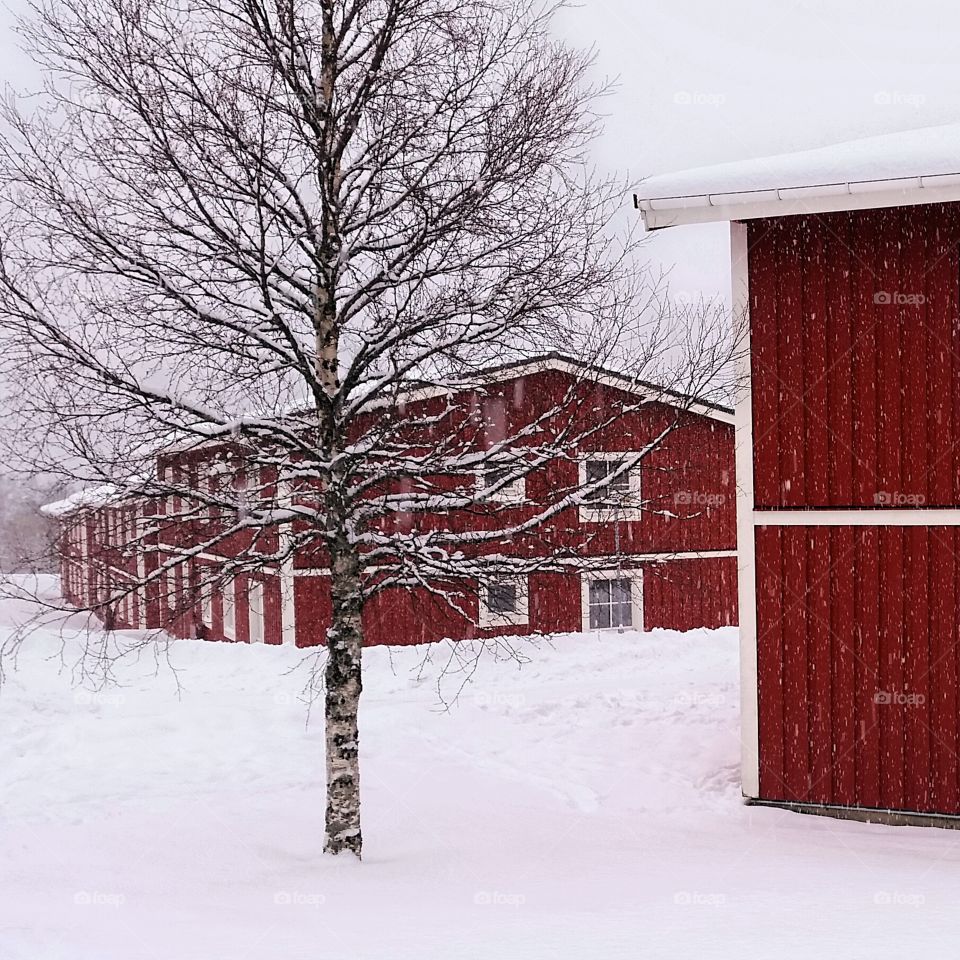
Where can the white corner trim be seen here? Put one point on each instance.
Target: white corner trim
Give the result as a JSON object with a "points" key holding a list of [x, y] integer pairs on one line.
{"points": [[633, 574], [287, 578], [746, 544]]}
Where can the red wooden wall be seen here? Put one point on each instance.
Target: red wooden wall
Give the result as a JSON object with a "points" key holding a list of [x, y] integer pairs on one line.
{"points": [[859, 666], [677, 595], [856, 406], [855, 356]]}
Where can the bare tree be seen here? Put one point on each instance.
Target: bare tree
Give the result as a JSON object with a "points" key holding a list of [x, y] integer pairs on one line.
{"points": [[269, 224]]}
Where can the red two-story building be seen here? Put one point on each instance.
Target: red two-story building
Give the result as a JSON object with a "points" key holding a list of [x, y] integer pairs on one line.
{"points": [[656, 549]]}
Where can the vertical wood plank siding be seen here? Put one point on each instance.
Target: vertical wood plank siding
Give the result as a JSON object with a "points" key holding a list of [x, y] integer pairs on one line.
{"points": [[856, 349], [856, 404], [857, 685]]}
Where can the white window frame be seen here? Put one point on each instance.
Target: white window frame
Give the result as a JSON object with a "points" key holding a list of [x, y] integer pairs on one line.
{"points": [[636, 597], [170, 501], [228, 600], [592, 514], [513, 492], [520, 617]]}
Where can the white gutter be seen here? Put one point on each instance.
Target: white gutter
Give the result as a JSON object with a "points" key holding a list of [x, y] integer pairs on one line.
{"points": [[661, 212]]}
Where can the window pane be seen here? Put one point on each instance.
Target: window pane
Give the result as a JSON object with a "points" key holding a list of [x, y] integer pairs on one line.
{"points": [[596, 470], [621, 615], [494, 475], [502, 597], [599, 617], [599, 592], [620, 484], [615, 490], [620, 591]]}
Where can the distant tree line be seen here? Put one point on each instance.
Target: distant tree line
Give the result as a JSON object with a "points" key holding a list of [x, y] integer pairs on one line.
{"points": [[27, 537]]}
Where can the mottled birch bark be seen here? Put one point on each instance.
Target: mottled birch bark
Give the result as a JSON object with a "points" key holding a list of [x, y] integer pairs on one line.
{"points": [[342, 704]]}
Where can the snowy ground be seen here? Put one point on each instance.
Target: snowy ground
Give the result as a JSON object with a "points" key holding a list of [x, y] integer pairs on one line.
{"points": [[583, 806]]}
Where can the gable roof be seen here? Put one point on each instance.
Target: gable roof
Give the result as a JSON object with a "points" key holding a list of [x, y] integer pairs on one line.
{"points": [[580, 368], [897, 169], [94, 497], [424, 390]]}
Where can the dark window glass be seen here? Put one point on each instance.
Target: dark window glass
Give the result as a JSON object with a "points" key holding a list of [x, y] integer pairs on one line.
{"points": [[502, 597], [495, 475], [612, 492]]}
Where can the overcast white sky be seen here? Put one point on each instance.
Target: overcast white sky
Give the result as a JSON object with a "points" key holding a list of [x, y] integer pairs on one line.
{"points": [[703, 81], [763, 76]]}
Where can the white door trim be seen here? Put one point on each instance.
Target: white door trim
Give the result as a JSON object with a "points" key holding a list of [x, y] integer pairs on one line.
{"points": [[863, 517], [746, 545]]}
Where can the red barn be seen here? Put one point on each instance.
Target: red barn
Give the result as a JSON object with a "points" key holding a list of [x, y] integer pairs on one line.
{"points": [[671, 564], [848, 443]]}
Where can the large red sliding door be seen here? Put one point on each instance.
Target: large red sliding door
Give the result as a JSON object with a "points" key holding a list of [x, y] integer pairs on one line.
{"points": [[855, 507]]}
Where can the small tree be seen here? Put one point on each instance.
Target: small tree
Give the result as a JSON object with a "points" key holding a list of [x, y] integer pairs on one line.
{"points": [[268, 221]]}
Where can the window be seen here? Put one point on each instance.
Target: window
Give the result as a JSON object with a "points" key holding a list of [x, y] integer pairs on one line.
{"points": [[171, 502], [511, 491], [613, 600], [230, 610], [206, 606], [614, 492], [619, 497], [502, 597], [255, 605], [503, 601]]}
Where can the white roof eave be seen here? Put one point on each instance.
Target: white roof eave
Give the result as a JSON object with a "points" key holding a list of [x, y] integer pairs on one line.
{"points": [[661, 212]]}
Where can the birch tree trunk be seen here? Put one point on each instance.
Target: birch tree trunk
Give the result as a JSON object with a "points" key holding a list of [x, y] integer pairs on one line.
{"points": [[343, 686]]}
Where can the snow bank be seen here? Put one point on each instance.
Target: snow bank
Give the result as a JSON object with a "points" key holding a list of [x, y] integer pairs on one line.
{"points": [[582, 805]]}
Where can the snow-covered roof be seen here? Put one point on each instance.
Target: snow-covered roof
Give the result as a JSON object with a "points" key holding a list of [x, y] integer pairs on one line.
{"points": [[581, 368], [896, 169], [81, 500], [506, 371]]}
